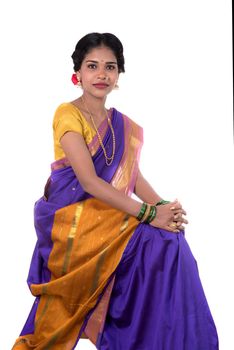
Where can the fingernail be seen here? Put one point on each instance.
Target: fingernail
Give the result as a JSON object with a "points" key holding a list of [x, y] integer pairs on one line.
{"points": [[172, 208]]}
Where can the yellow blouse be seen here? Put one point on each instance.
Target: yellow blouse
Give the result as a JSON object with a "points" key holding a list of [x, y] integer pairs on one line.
{"points": [[68, 117]]}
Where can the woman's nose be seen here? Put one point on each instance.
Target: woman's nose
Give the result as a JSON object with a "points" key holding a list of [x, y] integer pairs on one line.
{"points": [[102, 77], [102, 74]]}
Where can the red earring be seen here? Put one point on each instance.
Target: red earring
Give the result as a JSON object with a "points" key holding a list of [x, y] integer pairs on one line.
{"points": [[75, 80]]}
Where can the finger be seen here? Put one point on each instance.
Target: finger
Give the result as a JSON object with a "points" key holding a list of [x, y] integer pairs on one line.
{"points": [[176, 207], [174, 203], [168, 228], [179, 218], [179, 225], [173, 227], [178, 211], [178, 215]]}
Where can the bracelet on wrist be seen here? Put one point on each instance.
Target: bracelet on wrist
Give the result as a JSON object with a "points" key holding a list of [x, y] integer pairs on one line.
{"points": [[147, 213], [145, 216], [152, 214], [142, 211], [162, 202]]}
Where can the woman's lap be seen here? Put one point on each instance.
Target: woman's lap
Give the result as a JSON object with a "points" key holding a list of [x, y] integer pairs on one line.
{"points": [[157, 300]]}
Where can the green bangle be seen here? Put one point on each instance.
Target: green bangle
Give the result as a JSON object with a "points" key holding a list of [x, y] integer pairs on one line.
{"points": [[142, 211], [152, 214], [162, 202]]}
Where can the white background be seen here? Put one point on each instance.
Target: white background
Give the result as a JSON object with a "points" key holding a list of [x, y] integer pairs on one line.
{"points": [[177, 85]]}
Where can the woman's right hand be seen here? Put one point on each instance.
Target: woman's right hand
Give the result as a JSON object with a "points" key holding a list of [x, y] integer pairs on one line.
{"points": [[170, 217]]}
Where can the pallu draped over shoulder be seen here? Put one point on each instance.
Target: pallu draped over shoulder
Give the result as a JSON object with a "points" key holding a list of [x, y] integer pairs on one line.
{"points": [[98, 273]]}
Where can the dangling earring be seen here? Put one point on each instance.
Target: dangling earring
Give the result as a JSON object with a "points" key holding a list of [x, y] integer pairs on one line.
{"points": [[76, 81]]}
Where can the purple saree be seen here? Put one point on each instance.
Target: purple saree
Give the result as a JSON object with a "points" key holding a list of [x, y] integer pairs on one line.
{"points": [[97, 272]]}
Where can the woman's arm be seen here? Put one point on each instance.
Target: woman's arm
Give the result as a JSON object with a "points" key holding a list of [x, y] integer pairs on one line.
{"points": [[79, 157], [145, 191]]}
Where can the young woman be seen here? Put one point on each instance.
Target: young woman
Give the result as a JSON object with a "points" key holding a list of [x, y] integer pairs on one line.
{"points": [[106, 266]]}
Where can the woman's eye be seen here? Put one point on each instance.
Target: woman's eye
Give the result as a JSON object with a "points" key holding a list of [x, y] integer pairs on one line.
{"points": [[110, 67], [92, 66]]}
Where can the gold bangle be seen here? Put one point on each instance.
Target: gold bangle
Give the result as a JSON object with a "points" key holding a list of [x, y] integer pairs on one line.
{"points": [[147, 212]]}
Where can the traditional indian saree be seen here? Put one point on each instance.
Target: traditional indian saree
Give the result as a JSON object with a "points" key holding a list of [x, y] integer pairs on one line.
{"points": [[97, 273]]}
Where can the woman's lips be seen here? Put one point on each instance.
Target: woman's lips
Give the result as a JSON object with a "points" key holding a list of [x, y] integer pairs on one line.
{"points": [[101, 85]]}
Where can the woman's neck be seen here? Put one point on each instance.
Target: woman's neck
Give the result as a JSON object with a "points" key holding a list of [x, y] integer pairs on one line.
{"points": [[95, 105]]}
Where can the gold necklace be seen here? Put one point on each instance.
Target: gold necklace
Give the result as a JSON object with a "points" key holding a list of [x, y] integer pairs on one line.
{"points": [[109, 160]]}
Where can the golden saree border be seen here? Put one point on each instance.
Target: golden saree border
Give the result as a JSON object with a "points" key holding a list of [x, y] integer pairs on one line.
{"points": [[126, 173], [80, 271], [96, 322], [89, 238]]}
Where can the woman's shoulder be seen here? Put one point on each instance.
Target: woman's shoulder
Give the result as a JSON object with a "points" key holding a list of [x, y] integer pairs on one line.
{"points": [[67, 117], [67, 110], [67, 107]]}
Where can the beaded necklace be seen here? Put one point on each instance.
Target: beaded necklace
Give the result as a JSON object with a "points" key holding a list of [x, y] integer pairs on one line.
{"points": [[109, 160]]}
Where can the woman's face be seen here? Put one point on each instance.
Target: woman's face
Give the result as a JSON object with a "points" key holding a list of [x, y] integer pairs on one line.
{"points": [[99, 72]]}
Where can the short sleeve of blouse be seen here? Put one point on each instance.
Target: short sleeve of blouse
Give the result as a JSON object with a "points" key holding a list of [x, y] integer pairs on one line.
{"points": [[66, 119]]}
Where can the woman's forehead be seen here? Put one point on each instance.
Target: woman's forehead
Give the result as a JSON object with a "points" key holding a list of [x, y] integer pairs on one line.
{"points": [[101, 54]]}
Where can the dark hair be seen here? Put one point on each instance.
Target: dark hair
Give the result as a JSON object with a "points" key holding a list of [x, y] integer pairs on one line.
{"points": [[93, 40]]}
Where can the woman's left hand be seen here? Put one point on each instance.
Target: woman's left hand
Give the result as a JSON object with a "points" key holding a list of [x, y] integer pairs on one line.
{"points": [[178, 218]]}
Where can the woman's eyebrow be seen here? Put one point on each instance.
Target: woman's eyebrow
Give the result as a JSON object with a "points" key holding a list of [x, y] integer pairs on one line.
{"points": [[109, 62]]}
